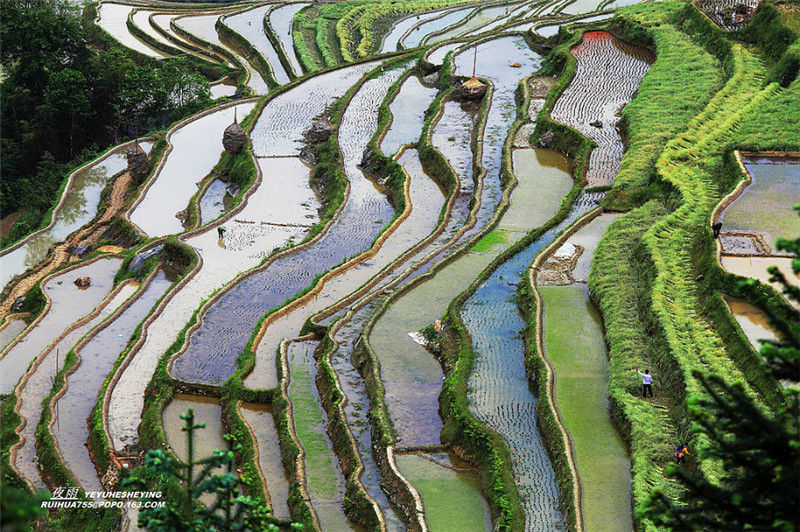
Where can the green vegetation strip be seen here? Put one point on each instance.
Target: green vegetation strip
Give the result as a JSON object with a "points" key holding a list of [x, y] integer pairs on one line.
{"points": [[644, 281], [575, 345], [620, 283], [680, 83]]}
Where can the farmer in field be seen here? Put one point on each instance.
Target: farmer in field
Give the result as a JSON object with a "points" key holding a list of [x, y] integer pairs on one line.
{"points": [[647, 382], [680, 453]]}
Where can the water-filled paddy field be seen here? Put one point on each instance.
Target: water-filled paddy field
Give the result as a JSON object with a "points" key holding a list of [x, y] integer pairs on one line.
{"points": [[250, 25], [337, 299], [113, 17], [65, 297], [97, 358], [79, 206], [765, 206], [196, 148]]}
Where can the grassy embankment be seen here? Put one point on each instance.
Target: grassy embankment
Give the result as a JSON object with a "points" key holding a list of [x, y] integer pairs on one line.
{"points": [[644, 277]]}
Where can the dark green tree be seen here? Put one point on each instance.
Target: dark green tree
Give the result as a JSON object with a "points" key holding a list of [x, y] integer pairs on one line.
{"points": [[760, 450], [230, 510]]}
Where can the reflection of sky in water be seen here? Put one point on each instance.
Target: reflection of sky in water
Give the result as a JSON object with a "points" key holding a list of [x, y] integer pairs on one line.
{"points": [[765, 206], [493, 61], [79, 207], [419, 33]]}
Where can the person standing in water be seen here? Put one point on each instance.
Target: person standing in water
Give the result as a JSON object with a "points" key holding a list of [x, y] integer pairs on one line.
{"points": [[647, 382]]}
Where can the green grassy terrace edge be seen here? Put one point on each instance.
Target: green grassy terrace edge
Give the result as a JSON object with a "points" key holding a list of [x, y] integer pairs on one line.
{"points": [[250, 52], [624, 337], [276, 43]]}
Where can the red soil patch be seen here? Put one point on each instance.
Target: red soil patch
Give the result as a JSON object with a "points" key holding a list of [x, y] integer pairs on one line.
{"points": [[7, 222]]}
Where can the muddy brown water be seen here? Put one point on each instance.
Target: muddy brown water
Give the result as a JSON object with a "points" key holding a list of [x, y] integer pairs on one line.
{"points": [[206, 410], [66, 298], [278, 131], [97, 360], [281, 21], [607, 76], [113, 18], [213, 348], [250, 25], [40, 383], [80, 206], [765, 206], [264, 426], [196, 149], [756, 267], [753, 321]]}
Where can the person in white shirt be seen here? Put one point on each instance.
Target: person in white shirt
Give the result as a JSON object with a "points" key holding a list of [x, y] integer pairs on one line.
{"points": [[647, 382]]}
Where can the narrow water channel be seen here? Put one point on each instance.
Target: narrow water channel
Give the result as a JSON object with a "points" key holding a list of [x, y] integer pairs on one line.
{"points": [[97, 359], [40, 381], [65, 298]]}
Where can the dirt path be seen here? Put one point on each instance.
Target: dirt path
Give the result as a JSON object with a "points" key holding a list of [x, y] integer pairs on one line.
{"points": [[61, 254]]}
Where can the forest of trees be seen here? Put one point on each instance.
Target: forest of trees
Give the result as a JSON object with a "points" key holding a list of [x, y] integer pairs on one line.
{"points": [[68, 91]]}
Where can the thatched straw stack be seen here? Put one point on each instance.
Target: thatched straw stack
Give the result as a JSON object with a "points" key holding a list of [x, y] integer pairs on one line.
{"points": [[473, 88], [234, 138]]}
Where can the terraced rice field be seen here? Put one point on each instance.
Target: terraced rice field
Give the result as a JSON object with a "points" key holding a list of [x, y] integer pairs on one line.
{"points": [[765, 206], [195, 151], [607, 75], [112, 18], [575, 346], [396, 321], [250, 25], [97, 357], [78, 206]]}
